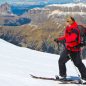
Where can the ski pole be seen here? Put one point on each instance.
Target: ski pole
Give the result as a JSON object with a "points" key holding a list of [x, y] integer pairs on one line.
{"points": [[76, 69], [58, 46]]}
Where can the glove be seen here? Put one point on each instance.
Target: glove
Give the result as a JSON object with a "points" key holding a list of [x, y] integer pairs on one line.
{"points": [[56, 40]]}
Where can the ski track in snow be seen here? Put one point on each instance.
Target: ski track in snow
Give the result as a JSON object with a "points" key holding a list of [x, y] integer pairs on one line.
{"points": [[16, 63]]}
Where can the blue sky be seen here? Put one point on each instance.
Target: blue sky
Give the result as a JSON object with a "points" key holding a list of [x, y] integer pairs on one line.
{"points": [[2, 1], [11, 1]]}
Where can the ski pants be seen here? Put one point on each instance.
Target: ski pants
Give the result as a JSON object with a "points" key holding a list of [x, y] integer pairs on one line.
{"points": [[64, 57]]}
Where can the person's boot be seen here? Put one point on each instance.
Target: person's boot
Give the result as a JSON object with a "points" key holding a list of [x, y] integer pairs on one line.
{"points": [[60, 77], [84, 80]]}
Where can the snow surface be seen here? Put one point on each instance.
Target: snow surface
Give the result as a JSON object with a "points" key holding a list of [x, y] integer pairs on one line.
{"points": [[69, 5], [16, 63], [59, 13]]}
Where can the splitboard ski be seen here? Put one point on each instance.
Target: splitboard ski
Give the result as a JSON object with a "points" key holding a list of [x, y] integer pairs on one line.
{"points": [[44, 78], [65, 81], [73, 82]]}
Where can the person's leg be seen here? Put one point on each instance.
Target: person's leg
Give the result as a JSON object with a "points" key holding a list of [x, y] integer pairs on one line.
{"points": [[63, 59], [78, 63]]}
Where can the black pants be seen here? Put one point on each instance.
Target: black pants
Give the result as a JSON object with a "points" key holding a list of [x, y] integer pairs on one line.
{"points": [[75, 58]]}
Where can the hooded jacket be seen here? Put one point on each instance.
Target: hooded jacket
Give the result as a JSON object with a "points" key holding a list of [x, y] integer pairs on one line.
{"points": [[72, 37]]}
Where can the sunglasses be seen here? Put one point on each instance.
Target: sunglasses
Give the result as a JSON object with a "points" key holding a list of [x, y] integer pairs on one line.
{"points": [[68, 21]]}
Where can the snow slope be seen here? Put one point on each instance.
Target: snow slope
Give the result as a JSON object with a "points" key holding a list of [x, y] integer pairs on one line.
{"points": [[17, 63]]}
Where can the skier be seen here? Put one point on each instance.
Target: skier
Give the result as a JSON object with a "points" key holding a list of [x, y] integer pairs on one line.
{"points": [[72, 42]]}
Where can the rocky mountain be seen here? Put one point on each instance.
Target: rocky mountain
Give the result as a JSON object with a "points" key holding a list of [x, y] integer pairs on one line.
{"points": [[80, 7], [7, 18], [13, 20], [37, 15], [45, 24], [5, 9], [57, 12]]}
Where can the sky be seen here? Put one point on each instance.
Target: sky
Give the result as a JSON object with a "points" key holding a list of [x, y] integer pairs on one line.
{"points": [[11, 1]]}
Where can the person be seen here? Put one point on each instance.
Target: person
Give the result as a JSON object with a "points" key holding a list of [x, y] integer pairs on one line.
{"points": [[72, 42]]}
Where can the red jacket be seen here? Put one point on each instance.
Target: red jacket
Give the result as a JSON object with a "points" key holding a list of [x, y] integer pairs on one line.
{"points": [[72, 37]]}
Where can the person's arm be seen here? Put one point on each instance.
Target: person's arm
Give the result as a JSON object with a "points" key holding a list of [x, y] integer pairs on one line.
{"points": [[61, 39]]}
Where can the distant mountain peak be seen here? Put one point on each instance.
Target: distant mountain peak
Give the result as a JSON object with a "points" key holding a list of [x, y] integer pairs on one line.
{"points": [[5, 9]]}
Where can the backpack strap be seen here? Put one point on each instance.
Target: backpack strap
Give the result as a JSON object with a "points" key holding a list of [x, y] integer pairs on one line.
{"points": [[75, 31]]}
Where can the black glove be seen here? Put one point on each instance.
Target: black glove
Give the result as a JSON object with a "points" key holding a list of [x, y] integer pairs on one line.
{"points": [[56, 40]]}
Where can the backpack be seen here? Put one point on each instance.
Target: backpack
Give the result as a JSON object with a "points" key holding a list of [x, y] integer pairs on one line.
{"points": [[82, 35]]}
